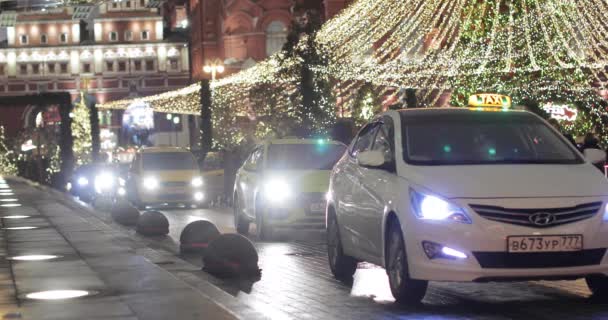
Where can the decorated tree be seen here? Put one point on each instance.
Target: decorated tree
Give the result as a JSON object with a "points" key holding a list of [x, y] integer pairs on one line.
{"points": [[81, 131], [313, 100], [7, 165], [366, 104]]}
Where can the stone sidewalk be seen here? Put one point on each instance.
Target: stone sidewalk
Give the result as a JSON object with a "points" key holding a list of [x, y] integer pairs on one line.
{"points": [[123, 274]]}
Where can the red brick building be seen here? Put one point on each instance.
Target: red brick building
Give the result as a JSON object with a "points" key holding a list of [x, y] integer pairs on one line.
{"points": [[242, 32]]}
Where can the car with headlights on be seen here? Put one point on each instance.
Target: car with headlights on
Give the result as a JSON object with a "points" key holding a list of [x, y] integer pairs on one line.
{"points": [[467, 194], [282, 185], [165, 175], [82, 182]]}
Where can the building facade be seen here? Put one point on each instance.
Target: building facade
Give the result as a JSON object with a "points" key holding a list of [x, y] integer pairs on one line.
{"points": [[240, 33], [116, 50], [120, 51]]}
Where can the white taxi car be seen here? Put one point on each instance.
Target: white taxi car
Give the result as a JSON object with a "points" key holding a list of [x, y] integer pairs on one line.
{"points": [[457, 194]]}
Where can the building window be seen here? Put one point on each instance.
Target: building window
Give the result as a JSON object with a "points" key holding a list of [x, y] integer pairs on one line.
{"points": [[128, 36], [128, 4], [142, 3], [35, 68], [114, 5], [44, 39], [173, 64], [1, 69], [149, 65], [109, 66], [51, 68], [23, 69], [113, 36], [276, 36], [137, 65], [63, 67], [63, 38], [122, 66], [23, 39], [86, 67], [145, 35]]}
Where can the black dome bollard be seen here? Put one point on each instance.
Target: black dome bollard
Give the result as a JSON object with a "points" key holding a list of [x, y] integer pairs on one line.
{"points": [[152, 223], [197, 236], [124, 213], [231, 255]]}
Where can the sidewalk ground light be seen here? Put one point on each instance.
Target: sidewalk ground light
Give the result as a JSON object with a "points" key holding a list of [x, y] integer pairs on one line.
{"points": [[10, 205], [57, 294], [9, 200], [34, 257], [20, 228], [15, 217]]}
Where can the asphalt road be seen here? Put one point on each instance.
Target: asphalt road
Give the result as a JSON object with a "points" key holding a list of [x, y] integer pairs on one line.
{"points": [[297, 284]]}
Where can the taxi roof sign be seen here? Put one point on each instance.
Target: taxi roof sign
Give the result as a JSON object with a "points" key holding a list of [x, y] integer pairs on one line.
{"points": [[490, 100]]}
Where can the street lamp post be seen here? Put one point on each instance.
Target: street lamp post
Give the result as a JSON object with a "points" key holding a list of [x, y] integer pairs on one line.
{"points": [[170, 119], [214, 67], [176, 122]]}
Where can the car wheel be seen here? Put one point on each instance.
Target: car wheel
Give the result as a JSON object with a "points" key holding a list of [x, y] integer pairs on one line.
{"points": [[342, 266], [404, 289], [598, 285], [261, 223], [240, 223]]}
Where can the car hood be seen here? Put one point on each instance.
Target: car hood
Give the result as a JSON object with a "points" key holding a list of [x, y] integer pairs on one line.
{"points": [[309, 181], [510, 181]]}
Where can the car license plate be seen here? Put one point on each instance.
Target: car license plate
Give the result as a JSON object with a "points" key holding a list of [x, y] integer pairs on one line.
{"points": [[545, 243], [317, 207]]}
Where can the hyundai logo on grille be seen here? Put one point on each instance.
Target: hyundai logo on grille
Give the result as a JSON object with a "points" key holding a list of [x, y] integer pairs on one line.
{"points": [[542, 218]]}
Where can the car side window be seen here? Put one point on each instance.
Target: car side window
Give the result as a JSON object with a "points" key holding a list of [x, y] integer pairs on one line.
{"points": [[364, 139], [385, 139]]}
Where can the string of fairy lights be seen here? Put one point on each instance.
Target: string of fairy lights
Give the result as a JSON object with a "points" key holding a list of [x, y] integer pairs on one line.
{"points": [[540, 50]]}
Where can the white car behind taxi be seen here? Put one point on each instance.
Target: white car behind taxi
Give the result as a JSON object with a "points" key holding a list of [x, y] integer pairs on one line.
{"points": [[457, 194]]}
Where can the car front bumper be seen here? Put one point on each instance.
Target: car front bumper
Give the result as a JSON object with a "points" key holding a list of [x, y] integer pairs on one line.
{"points": [[305, 212], [484, 242], [172, 196]]}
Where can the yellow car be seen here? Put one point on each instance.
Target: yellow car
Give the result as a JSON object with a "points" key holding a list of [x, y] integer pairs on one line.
{"points": [[165, 175], [283, 185]]}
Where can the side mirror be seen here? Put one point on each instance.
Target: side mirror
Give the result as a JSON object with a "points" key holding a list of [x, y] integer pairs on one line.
{"points": [[372, 159], [595, 156]]}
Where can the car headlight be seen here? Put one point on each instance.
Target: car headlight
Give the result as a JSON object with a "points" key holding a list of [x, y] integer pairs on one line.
{"points": [[150, 183], [197, 182], [429, 207], [122, 182], [103, 182], [82, 181], [277, 190]]}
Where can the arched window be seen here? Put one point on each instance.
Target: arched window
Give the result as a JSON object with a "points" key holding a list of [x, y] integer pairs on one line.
{"points": [[276, 36]]}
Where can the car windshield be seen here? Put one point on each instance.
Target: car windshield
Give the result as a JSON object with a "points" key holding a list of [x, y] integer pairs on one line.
{"points": [[304, 156], [163, 161], [482, 138]]}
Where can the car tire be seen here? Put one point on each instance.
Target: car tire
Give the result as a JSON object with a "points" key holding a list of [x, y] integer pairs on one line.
{"points": [[404, 289], [342, 266], [598, 286], [262, 226], [240, 223]]}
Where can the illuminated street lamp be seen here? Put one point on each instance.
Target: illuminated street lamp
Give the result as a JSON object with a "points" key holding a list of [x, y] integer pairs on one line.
{"points": [[176, 121], [214, 67]]}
